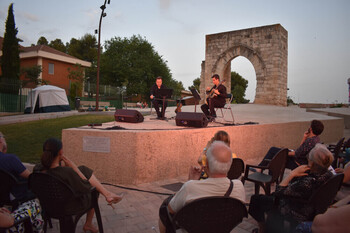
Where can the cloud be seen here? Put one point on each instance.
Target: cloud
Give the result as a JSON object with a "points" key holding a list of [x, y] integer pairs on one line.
{"points": [[30, 17], [164, 4], [3, 14]]}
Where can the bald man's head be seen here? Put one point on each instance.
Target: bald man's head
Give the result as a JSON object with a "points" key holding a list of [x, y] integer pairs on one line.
{"points": [[219, 157]]}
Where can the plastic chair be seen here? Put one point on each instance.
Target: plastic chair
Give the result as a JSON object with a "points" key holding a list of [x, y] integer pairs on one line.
{"points": [[275, 171], [336, 151], [343, 157], [320, 200], [236, 169], [227, 107], [54, 195], [210, 214], [7, 182]]}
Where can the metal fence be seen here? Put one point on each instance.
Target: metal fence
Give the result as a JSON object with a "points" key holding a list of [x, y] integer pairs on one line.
{"points": [[13, 95]]}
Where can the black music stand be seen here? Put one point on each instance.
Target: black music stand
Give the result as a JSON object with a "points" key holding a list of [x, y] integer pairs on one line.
{"points": [[165, 93], [196, 96]]}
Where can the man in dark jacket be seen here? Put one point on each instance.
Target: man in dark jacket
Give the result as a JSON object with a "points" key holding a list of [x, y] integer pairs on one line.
{"points": [[157, 98], [216, 98]]}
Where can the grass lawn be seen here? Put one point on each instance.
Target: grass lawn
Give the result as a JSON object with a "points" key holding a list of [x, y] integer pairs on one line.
{"points": [[26, 139]]}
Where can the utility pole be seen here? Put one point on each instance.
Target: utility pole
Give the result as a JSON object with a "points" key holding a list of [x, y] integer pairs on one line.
{"points": [[103, 7]]}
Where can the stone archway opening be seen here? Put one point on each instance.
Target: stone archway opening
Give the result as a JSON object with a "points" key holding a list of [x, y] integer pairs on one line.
{"points": [[245, 68], [265, 47]]}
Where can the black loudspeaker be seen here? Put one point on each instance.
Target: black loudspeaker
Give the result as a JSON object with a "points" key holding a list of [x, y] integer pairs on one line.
{"points": [[191, 119], [126, 115]]}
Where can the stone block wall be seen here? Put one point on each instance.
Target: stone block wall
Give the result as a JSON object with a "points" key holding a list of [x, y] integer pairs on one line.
{"points": [[265, 47]]}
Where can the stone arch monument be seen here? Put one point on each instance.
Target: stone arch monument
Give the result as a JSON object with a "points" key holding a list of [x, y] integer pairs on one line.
{"points": [[265, 47]]}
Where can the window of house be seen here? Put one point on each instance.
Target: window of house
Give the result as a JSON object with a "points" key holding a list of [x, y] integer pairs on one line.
{"points": [[51, 68]]}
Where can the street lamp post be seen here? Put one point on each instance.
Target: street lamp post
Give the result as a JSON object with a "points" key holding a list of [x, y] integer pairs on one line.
{"points": [[103, 7]]}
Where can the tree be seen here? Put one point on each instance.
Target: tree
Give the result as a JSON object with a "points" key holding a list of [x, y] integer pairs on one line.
{"points": [[76, 75], [238, 87], [177, 86], [196, 84], [42, 41], [31, 75], [58, 45], [10, 62], [134, 64], [85, 48]]}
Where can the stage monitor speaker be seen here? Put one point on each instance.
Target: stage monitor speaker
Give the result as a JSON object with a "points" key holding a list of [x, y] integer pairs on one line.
{"points": [[191, 119], [126, 115]]}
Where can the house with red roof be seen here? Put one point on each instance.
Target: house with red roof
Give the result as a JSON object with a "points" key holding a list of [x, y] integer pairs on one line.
{"points": [[55, 64]]}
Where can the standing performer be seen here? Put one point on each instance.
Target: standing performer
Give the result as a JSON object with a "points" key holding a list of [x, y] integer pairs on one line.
{"points": [[216, 97], [157, 98]]}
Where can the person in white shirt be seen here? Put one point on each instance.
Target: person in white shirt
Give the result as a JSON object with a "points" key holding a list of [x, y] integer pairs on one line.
{"points": [[219, 159]]}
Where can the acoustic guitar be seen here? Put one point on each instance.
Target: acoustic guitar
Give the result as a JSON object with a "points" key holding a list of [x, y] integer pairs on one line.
{"points": [[212, 93]]}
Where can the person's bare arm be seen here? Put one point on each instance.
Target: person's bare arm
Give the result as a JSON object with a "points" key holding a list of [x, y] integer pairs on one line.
{"points": [[333, 220], [70, 163], [299, 171], [194, 173], [346, 174], [25, 174], [6, 219], [305, 136], [171, 210], [291, 153]]}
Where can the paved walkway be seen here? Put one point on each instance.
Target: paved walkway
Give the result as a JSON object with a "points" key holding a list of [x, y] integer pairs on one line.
{"points": [[138, 211]]}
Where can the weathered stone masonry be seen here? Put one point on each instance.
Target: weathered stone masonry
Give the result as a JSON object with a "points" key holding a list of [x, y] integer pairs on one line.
{"points": [[265, 47]]}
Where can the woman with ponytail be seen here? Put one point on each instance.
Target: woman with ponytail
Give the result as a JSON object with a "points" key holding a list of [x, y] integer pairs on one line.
{"points": [[80, 179]]}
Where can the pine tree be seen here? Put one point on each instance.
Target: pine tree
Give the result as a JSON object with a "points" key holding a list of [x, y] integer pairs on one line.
{"points": [[10, 62]]}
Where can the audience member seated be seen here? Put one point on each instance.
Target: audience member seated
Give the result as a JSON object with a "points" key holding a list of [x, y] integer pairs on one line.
{"points": [[80, 179], [29, 209], [12, 164], [298, 157], [219, 158], [300, 183], [218, 136], [345, 189], [335, 219]]}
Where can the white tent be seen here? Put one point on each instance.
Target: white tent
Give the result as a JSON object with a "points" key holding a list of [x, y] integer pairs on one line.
{"points": [[47, 98]]}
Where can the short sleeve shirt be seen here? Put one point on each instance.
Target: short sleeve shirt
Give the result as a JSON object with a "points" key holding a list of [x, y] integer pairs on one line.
{"points": [[195, 189], [11, 164]]}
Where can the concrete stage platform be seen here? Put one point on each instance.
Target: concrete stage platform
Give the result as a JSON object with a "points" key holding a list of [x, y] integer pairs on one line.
{"points": [[336, 112], [156, 150]]}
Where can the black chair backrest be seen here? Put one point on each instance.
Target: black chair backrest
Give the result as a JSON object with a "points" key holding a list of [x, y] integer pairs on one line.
{"points": [[211, 214], [277, 164], [7, 181], [52, 193], [336, 152], [236, 169], [346, 144], [325, 194]]}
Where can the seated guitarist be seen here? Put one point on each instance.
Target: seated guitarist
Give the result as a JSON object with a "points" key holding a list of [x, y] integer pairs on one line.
{"points": [[216, 98]]}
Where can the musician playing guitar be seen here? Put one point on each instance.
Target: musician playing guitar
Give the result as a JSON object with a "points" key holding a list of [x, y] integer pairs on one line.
{"points": [[216, 98]]}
